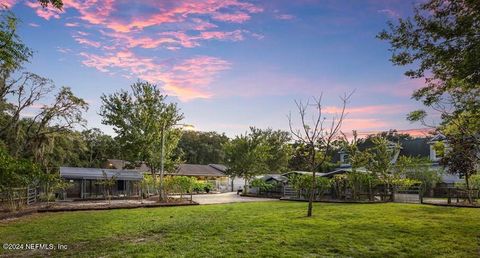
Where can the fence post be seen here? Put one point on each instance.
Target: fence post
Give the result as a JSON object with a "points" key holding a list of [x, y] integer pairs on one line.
{"points": [[421, 194], [449, 200], [456, 194]]}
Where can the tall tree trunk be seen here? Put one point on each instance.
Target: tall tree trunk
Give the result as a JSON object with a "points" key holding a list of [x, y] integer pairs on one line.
{"points": [[467, 182], [312, 188]]}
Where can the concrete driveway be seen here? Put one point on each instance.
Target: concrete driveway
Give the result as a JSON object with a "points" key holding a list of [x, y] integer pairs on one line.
{"points": [[230, 197]]}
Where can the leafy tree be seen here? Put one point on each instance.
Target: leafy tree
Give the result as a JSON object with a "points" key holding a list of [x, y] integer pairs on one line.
{"points": [[419, 169], [141, 119], [300, 159], [441, 43], [380, 161], [247, 156], [356, 157], [107, 183], [99, 148], [462, 158], [202, 147], [279, 151], [19, 90], [15, 174], [13, 52], [317, 137], [55, 3], [52, 183]]}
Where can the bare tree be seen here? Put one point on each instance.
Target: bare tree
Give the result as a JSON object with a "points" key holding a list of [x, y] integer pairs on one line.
{"points": [[318, 134]]}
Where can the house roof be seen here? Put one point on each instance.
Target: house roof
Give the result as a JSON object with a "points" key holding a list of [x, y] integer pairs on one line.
{"points": [[97, 173], [343, 171], [213, 170], [302, 173], [275, 177], [120, 164], [437, 138]]}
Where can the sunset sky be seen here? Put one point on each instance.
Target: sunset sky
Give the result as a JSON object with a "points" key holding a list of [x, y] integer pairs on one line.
{"points": [[230, 64]]}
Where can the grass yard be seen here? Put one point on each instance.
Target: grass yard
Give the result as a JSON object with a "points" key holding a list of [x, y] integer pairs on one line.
{"points": [[266, 229]]}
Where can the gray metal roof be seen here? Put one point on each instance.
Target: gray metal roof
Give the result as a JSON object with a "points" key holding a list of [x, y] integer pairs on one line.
{"points": [[302, 173], [276, 177], [97, 173], [214, 170]]}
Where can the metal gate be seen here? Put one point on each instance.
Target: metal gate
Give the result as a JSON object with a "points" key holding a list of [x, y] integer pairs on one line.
{"points": [[32, 195]]}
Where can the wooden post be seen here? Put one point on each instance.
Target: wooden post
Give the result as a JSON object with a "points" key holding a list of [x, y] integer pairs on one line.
{"points": [[82, 186], [421, 194], [456, 194], [449, 200]]}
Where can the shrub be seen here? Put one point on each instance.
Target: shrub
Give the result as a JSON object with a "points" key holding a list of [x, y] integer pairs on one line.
{"points": [[262, 185]]}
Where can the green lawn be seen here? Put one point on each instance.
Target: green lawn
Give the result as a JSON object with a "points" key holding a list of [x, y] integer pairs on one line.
{"points": [[267, 229]]}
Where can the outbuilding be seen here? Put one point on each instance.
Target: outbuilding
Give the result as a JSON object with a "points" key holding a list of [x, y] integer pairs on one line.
{"points": [[86, 182]]}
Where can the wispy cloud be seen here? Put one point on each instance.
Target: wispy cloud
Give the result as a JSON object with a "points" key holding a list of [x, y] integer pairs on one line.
{"points": [[369, 110], [389, 12], [32, 24], [170, 24], [401, 88], [45, 12], [64, 50], [285, 17], [72, 24], [187, 79], [8, 3]]}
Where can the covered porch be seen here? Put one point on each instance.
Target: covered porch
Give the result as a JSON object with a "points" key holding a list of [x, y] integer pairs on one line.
{"points": [[86, 183]]}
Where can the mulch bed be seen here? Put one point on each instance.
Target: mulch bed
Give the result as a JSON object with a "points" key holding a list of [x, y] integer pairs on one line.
{"points": [[42, 207], [114, 207]]}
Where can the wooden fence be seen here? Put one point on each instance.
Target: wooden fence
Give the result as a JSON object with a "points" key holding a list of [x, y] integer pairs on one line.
{"points": [[20, 196]]}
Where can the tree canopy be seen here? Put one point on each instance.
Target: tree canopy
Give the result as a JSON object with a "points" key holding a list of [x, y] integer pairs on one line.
{"points": [[202, 147]]}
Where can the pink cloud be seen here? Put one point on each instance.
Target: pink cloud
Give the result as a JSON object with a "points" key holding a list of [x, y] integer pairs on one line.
{"points": [[168, 24], [9, 3], [350, 124], [187, 79], [72, 24], [101, 13], [238, 17], [64, 50], [87, 42], [403, 88], [368, 110]]}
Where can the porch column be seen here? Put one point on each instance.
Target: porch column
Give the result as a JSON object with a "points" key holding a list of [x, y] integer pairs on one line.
{"points": [[82, 184]]}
